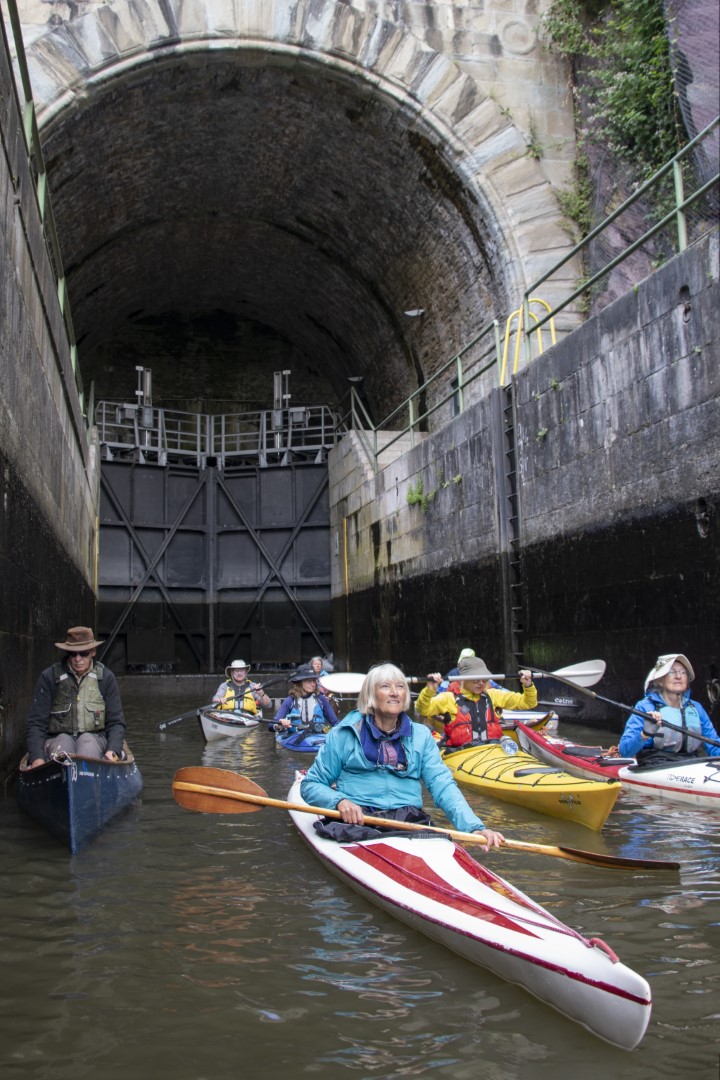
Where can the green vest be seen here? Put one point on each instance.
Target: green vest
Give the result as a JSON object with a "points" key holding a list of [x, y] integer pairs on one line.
{"points": [[77, 707]]}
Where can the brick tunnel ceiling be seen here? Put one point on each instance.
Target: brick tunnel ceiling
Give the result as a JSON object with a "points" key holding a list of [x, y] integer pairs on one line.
{"points": [[278, 194]]}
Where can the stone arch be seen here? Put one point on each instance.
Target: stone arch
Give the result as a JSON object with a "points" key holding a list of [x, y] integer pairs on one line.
{"points": [[489, 152], [470, 150]]}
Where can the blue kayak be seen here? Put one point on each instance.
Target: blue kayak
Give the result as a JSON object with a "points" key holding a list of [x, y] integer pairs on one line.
{"points": [[302, 741], [74, 797]]}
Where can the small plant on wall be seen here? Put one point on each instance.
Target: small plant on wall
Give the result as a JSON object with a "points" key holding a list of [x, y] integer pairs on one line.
{"points": [[416, 495]]}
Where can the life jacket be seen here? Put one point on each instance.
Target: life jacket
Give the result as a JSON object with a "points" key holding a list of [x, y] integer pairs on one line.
{"points": [[474, 720], [687, 717], [307, 713], [238, 697], [77, 707]]}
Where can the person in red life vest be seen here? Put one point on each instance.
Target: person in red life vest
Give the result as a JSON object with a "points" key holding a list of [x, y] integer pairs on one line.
{"points": [[467, 707]]}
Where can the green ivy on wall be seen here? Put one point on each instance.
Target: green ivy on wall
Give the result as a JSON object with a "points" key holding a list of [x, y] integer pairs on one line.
{"points": [[623, 86]]}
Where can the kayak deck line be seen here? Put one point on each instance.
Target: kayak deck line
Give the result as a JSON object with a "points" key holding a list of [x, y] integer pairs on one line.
{"points": [[508, 772], [407, 866]]}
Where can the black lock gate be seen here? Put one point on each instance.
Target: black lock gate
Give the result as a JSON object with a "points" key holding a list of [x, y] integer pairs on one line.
{"points": [[200, 565]]}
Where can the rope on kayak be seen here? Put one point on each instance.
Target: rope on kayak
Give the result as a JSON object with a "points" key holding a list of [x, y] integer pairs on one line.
{"points": [[600, 944]]}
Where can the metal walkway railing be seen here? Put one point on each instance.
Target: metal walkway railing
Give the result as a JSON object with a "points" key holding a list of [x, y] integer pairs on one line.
{"points": [[265, 437]]}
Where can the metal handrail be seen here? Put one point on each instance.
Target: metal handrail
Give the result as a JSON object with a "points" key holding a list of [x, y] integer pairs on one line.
{"points": [[678, 213], [529, 322], [358, 411]]}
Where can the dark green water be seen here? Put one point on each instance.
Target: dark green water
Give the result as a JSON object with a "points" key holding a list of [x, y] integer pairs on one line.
{"points": [[196, 946]]}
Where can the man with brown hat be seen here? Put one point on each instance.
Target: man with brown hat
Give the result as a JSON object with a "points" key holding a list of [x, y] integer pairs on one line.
{"points": [[76, 705]]}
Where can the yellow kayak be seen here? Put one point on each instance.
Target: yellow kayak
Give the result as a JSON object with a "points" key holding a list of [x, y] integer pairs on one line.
{"points": [[521, 779]]}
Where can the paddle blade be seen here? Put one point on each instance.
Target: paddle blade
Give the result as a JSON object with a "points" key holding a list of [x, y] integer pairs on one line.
{"points": [[343, 682], [593, 858], [205, 803], [587, 673]]}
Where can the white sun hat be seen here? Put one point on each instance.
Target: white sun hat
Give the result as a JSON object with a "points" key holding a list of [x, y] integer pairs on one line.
{"points": [[664, 663], [235, 665]]}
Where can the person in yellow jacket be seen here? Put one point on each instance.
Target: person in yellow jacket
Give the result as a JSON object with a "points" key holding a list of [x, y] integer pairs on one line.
{"points": [[238, 693], [468, 707]]}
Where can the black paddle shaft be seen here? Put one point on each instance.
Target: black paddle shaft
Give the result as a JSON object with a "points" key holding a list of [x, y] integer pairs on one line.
{"points": [[629, 709], [198, 708]]}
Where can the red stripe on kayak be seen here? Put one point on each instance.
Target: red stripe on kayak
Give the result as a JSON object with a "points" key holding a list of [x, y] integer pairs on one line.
{"points": [[685, 789], [382, 898], [482, 874], [414, 872]]}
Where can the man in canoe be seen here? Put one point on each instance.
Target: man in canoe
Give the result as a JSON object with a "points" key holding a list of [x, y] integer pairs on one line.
{"points": [[667, 697], [376, 760], [76, 705], [468, 706], [237, 692]]}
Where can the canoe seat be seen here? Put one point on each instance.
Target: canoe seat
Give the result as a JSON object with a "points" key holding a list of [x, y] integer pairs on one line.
{"points": [[531, 770]]}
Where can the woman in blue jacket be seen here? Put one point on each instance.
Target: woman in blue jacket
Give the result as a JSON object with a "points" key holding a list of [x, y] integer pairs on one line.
{"points": [[667, 697], [304, 706], [376, 760]]}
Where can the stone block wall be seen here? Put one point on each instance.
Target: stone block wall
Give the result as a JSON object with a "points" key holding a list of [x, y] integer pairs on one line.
{"points": [[48, 476], [617, 449]]}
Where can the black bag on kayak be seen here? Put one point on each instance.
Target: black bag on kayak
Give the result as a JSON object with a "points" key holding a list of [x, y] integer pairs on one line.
{"points": [[348, 834]]}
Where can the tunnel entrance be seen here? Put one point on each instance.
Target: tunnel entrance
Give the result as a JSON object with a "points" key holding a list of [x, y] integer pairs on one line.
{"points": [[213, 536]]}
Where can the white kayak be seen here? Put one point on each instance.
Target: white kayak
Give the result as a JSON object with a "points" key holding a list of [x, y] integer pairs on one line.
{"points": [[223, 724], [692, 781], [433, 885]]}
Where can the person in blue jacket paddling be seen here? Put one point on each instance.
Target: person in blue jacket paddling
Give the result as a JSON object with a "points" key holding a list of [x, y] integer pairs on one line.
{"points": [[376, 760], [305, 706], [667, 697]]}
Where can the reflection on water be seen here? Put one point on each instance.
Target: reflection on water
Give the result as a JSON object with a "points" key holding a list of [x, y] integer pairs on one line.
{"points": [[192, 946]]}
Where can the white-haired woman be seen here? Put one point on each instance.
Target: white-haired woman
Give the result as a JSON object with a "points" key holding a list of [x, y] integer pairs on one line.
{"points": [[376, 760], [667, 697]]}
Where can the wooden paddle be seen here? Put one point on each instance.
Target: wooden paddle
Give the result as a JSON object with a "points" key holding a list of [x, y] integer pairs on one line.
{"points": [[587, 673], [630, 709], [218, 791]]}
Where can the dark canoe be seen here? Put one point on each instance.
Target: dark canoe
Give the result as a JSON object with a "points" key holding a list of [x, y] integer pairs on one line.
{"points": [[75, 798]]}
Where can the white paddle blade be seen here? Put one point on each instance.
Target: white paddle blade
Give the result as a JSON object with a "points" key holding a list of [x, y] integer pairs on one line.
{"points": [[586, 673], [349, 683], [343, 682]]}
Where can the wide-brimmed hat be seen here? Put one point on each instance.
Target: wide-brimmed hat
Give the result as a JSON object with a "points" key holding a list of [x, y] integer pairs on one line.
{"points": [[78, 639], [472, 667], [664, 663], [302, 673], [235, 665], [465, 654]]}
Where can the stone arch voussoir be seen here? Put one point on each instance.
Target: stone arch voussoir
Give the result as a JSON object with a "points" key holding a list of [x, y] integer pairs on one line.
{"points": [[71, 60]]}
